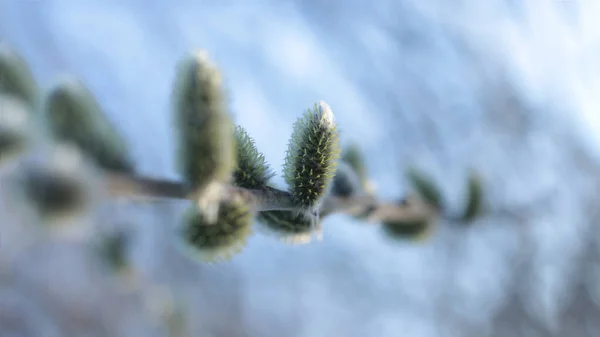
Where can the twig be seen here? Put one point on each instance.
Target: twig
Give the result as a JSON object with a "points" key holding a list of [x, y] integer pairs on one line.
{"points": [[271, 199]]}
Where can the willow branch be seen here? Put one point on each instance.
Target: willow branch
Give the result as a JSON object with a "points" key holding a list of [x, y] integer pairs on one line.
{"points": [[270, 199]]}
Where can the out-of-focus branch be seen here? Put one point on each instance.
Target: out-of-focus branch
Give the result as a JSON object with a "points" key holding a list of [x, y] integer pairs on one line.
{"points": [[270, 199]]}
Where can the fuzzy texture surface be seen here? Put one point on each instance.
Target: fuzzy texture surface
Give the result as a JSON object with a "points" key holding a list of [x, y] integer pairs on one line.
{"points": [[206, 146], [312, 155], [16, 78], [75, 116], [290, 227], [252, 170], [223, 239]]}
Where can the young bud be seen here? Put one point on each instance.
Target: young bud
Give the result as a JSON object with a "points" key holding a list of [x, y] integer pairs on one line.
{"points": [[352, 156], [14, 127], [312, 156], [16, 78], [289, 226], [252, 170], [222, 239], [58, 188], [74, 116], [113, 251], [346, 182], [474, 203], [425, 188], [418, 229], [206, 143]]}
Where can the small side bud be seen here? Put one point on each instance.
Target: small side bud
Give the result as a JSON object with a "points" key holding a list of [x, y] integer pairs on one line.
{"points": [[74, 116], [220, 240], [59, 188], [353, 157], [346, 182], [252, 170], [474, 198], [14, 127], [113, 251], [16, 78], [289, 226], [416, 230], [425, 188], [206, 145], [312, 156]]}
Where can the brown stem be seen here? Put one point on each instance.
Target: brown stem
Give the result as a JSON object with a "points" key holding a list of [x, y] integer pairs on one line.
{"points": [[272, 199]]}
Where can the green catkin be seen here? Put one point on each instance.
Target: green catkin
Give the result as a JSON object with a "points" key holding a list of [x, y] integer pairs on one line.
{"points": [[59, 188], [206, 145], [221, 240], [252, 170], [14, 127], [346, 182], [288, 226], [474, 198], [352, 156], [74, 116], [425, 188], [312, 155], [16, 78], [416, 230]]}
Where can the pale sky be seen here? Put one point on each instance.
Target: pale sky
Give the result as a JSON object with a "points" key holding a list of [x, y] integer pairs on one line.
{"points": [[278, 60]]}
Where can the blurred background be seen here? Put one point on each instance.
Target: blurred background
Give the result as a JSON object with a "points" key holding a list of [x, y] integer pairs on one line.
{"points": [[507, 87]]}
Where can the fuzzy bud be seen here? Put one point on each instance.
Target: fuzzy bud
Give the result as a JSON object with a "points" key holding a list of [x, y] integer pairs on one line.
{"points": [[214, 242], [417, 229], [353, 157], [14, 127], [474, 198], [312, 156], [75, 117], [59, 186], [252, 170], [206, 145], [291, 227], [16, 78], [425, 188]]}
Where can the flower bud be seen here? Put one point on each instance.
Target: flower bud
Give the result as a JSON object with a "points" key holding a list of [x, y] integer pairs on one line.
{"points": [[213, 242], [312, 156], [74, 116], [206, 145]]}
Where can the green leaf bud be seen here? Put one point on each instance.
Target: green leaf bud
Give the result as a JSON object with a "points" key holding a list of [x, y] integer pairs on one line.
{"points": [[218, 241], [252, 170], [16, 78], [59, 188], [417, 229], [206, 148], [425, 188], [289, 226], [74, 116], [14, 127], [312, 156], [474, 198]]}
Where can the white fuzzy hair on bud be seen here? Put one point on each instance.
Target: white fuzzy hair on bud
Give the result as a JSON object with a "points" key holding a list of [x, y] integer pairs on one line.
{"points": [[325, 113]]}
